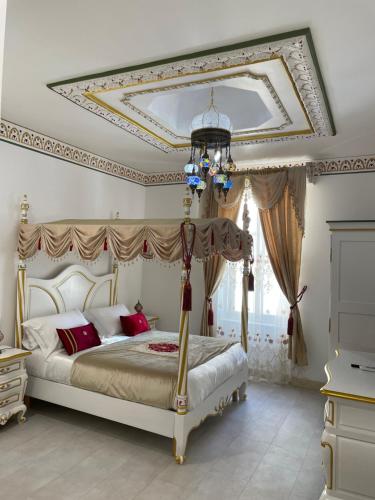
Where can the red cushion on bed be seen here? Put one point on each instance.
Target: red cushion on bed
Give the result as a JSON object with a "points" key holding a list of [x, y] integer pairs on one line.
{"points": [[134, 324], [79, 338]]}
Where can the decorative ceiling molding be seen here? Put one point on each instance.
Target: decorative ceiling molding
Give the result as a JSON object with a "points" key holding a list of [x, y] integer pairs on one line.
{"points": [[29, 139], [294, 50], [350, 165]]}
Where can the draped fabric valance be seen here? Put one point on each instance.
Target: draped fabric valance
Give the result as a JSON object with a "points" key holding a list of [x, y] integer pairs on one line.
{"points": [[268, 186], [127, 239]]}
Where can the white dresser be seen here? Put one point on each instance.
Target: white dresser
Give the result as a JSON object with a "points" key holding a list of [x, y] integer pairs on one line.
{"points": [[13, 379], [348, 440]]}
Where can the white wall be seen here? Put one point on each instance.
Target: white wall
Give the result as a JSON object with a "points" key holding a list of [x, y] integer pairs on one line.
{"points": [[57, 189], [335, 197], [3, 7], [161, 285]]}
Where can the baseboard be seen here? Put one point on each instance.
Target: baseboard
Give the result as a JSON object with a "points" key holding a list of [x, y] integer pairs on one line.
{"points": [[307, 383]]}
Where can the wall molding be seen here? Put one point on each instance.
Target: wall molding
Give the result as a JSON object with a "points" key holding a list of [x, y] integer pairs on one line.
{"points": [[35, 141]]}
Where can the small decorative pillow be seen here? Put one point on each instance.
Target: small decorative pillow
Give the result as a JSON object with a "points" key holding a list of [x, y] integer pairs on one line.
{"points": [[41, 332], [134, 324], [107, 319], [79, 338]]}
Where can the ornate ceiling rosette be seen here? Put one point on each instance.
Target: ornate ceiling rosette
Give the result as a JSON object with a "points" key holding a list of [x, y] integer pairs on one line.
{"points": [[271, 89]]}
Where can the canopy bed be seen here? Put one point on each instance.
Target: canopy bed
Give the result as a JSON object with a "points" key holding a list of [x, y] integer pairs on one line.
{"points": [[203, 385]]}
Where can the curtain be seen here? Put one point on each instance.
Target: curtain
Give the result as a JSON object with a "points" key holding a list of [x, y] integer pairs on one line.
{"points": [[213, 205], [280, 196], [283, 237], [268, 310]]}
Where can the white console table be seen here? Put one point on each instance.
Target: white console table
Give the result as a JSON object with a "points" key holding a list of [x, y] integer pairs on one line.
{"points": [[348, 440]]}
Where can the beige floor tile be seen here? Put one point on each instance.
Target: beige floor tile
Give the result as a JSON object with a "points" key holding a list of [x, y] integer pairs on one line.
{"points": [[270, 482], [217, 487], [266, 448]]}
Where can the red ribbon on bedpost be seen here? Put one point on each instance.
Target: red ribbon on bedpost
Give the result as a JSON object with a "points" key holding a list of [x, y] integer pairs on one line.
{"points": [[293, 306], [187, 254]]}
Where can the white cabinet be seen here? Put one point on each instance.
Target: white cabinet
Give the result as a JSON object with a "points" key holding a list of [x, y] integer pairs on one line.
{"points": [[348, 440], [13, 379]]}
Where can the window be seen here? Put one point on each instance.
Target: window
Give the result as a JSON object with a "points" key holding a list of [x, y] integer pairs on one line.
{"points": [[268, 309]]}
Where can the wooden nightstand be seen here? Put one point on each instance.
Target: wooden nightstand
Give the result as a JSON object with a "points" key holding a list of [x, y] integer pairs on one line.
{"points": [[13, 380], [152, 319]]}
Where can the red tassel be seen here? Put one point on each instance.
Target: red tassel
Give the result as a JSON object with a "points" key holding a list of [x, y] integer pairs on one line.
{"points": [[212, 238], [290, 324], [70, 248], [105, 247], [210, 316], [251, 281], [39, 244], [186, 297], [145, 246]]}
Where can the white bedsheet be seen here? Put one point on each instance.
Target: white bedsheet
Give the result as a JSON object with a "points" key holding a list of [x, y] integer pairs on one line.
{"points": [[202, 380]]}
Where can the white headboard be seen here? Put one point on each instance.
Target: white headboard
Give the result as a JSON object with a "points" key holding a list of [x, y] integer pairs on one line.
{"points": [[73, 288]]}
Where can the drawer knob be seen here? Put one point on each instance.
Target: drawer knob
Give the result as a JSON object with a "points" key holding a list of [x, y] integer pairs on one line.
{"points": [[4, 386], [4, 370], [4, 402]]}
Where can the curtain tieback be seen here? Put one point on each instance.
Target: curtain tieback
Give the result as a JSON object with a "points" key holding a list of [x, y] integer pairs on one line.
{"points": [[210, 313], [293, 306]]}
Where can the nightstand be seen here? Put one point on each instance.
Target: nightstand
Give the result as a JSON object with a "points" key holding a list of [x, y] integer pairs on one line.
{"points": [[152, 319], [13, 380]]}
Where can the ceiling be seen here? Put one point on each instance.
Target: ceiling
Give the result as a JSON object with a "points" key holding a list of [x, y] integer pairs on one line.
{"points": [[49, 42]]}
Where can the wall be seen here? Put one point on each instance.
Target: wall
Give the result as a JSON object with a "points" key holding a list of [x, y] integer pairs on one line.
{"points": [[57, 189], [3, 7], [335, 197], [160, 285]]}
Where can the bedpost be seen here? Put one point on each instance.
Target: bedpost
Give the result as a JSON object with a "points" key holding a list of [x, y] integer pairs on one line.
{"points": [[245, 276], [180, 436], [21, 278], [115, 272]]}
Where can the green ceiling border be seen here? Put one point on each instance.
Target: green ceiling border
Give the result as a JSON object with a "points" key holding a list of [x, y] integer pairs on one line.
{"points": [[225, 48]]}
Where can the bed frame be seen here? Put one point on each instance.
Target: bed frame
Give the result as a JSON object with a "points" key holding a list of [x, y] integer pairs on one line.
{"points": [[76, 287]]}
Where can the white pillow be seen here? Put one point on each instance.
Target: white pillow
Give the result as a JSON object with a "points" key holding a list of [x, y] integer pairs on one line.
{"points": [[107, 319], [28, 340], [43, 330]]}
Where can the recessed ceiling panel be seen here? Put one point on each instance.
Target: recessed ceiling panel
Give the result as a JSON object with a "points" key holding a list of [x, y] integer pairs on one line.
{"points": [[269, 91]]}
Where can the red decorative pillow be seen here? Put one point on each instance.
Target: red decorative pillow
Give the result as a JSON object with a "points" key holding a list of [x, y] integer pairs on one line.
{"points": [[134, 324], [79, 338]]}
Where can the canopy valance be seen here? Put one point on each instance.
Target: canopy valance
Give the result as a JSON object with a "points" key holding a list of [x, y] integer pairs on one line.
{"points": [[126, 239]]}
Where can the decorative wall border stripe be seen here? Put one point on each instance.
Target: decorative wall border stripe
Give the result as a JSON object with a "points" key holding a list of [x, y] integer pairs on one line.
{"points": [[27, 138], [348, 165]]}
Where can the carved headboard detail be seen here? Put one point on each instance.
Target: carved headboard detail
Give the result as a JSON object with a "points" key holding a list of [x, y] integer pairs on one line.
{"points": [[73, 288]]}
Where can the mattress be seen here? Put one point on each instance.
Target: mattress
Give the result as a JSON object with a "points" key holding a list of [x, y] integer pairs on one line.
{"points": [[202, 380]]}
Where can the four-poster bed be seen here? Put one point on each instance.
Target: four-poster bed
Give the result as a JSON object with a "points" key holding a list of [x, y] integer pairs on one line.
{"points": [[166, 240]]}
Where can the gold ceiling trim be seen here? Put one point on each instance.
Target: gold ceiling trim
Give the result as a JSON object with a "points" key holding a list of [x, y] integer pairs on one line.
{"points": [[92, 96], [191, 73], [263, 78]]}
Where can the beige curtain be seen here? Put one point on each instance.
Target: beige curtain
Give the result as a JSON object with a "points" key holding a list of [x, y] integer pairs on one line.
{"points": [[280, 198], [213, 205]]}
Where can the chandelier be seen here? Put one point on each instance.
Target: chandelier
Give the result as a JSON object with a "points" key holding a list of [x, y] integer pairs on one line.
{"points": [[211, 131]]}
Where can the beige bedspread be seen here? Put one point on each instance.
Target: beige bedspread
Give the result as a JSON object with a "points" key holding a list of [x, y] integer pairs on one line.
{"points": [[130, 370]]}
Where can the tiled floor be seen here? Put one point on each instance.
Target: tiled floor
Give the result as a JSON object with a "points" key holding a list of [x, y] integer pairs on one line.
{"points": [[265, 448]]}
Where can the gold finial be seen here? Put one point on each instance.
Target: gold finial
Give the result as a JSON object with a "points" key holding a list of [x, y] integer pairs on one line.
{"points": [[187, 202], [24, 209]]}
